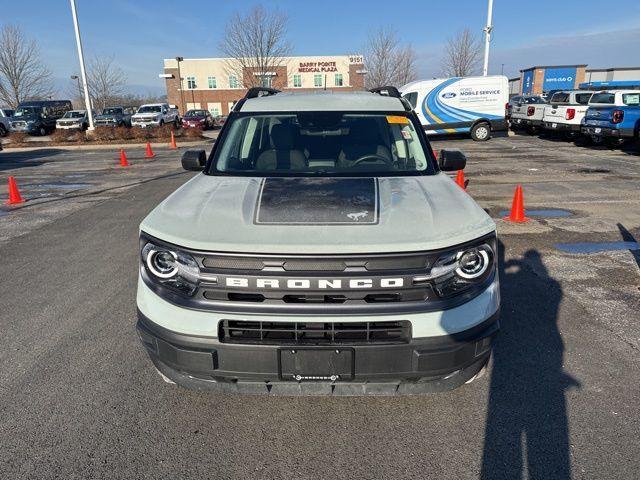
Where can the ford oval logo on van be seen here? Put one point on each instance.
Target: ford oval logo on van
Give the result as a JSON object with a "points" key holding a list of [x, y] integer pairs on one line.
{"points": [[448, 95]]}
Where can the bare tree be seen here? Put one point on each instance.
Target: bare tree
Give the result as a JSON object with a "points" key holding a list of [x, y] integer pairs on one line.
{"points": [[255, 44], [387, 61], [462, 55], [23, 76], [106, 81]]}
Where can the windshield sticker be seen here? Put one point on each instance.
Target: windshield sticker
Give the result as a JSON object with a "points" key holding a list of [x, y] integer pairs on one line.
{"points": [[317, 201], [406, 135], [397, 119]]}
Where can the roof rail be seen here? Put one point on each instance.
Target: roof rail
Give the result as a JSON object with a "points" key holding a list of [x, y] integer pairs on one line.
{"points": [[387, 91], [393, 92], [256, 92]]}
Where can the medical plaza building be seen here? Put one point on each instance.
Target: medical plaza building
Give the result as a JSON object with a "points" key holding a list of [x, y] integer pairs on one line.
{"points": [[216, 84]]}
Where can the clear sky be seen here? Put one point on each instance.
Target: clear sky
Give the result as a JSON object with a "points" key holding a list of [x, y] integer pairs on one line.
{"points": [[139, 34]]}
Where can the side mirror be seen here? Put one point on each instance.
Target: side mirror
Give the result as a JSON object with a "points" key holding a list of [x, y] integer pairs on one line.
{"points": [[194, 160], [451, 160]]}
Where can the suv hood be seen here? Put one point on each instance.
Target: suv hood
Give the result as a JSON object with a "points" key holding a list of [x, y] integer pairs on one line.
{"points": [[319, 216]]}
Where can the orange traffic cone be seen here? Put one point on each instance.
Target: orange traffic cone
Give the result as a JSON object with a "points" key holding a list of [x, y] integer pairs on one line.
{"points": [[149, 153], [123, 158], [460, 180], [517, 208], [14, 193], [172, 144]]}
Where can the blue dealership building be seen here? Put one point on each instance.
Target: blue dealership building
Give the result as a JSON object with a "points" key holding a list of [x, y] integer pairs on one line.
{"points": [[542, 79]]}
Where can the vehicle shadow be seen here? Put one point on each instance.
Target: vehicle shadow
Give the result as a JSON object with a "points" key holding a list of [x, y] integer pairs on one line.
{"points": [[10, 160], [627, 236], [527, 427]]}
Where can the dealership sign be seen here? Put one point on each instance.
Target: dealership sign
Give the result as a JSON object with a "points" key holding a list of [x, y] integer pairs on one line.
{"points": [[559, 78]]}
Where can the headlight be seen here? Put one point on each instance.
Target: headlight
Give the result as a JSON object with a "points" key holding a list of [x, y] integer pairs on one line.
{"points": [[457, 271], [172, 268]]}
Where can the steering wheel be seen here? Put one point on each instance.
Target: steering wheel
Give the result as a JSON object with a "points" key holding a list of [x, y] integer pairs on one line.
{"points": [[372, 157]]}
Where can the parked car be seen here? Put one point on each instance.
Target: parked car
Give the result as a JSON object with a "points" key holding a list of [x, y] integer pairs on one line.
{"points": [[155, 115], [613, 116], [5, 115], [322, 248], [221, 120], [565, 111], [453, 105], [74, 120], [39, 117], [198, 118], [115, 117], [527, 112]]}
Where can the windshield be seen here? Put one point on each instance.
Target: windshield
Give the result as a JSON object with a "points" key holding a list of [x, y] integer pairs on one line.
{"points": [[530, 100], [111, 111], [196, 113], [73, 115], [603, 98], [27, 111], [150, 109], [321, 144]]}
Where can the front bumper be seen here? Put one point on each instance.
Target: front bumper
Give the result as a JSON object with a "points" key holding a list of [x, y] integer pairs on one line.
{"points": [[152, 123], [32, 128], [423, 365], [75, 126]]}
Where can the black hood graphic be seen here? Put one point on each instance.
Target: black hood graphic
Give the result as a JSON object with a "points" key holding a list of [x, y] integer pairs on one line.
{"points": [[318, 201]]}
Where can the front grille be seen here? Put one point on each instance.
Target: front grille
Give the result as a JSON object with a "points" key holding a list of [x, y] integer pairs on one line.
{"points": [[314, 333], [18, 124], [371, 263]]}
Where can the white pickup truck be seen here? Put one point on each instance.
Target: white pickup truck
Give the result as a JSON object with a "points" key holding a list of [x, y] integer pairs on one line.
{"points": [[527, 111], [155, 115], [566, 111]]}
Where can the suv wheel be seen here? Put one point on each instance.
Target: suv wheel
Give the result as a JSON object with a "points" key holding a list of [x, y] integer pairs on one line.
{"points": [[42, 131], [160, 123], [3, 130], [481, 132]]}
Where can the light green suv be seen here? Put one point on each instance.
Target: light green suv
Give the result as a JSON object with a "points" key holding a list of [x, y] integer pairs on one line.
{"points": [[321, 250]]}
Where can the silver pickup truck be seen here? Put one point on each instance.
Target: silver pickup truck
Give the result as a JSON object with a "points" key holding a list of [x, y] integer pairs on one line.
{"points": [[527, 112], [321, 249], [155, 115]]}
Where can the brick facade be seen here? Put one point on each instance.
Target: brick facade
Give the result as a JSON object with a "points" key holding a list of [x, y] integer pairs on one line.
{"points": [[222, 98]]}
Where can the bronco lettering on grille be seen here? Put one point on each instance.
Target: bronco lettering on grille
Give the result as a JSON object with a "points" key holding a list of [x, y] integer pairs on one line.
{"points": [[314, 284]]}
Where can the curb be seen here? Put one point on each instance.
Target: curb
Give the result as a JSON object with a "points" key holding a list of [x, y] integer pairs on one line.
{"points": [[102, 146]]}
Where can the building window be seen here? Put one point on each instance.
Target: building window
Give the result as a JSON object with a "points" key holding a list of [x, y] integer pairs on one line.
{"points": [[233, 81], [297, 80], [317, 80], [191, 83], [338, 80], [212, 82], [266, 81]]}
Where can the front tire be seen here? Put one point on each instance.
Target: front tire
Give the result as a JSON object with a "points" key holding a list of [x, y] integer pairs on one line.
{"points": [[42, 131], [3, 130], [481, 132]]}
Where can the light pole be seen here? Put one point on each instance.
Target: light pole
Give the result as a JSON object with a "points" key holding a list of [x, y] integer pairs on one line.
{"points": [[179, 59], [83, 72], [77, 79], [487, 38]]}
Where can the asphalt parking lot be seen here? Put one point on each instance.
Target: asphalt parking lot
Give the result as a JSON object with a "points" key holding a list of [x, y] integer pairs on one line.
{"points": [[80, 399]]}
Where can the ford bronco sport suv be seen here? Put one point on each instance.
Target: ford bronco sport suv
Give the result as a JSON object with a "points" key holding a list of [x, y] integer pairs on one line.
{"points": [[321, 250]]}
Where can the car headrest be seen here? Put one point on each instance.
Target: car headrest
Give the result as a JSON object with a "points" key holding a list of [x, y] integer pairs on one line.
{"points": [[363, 132], [283, 136]]}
